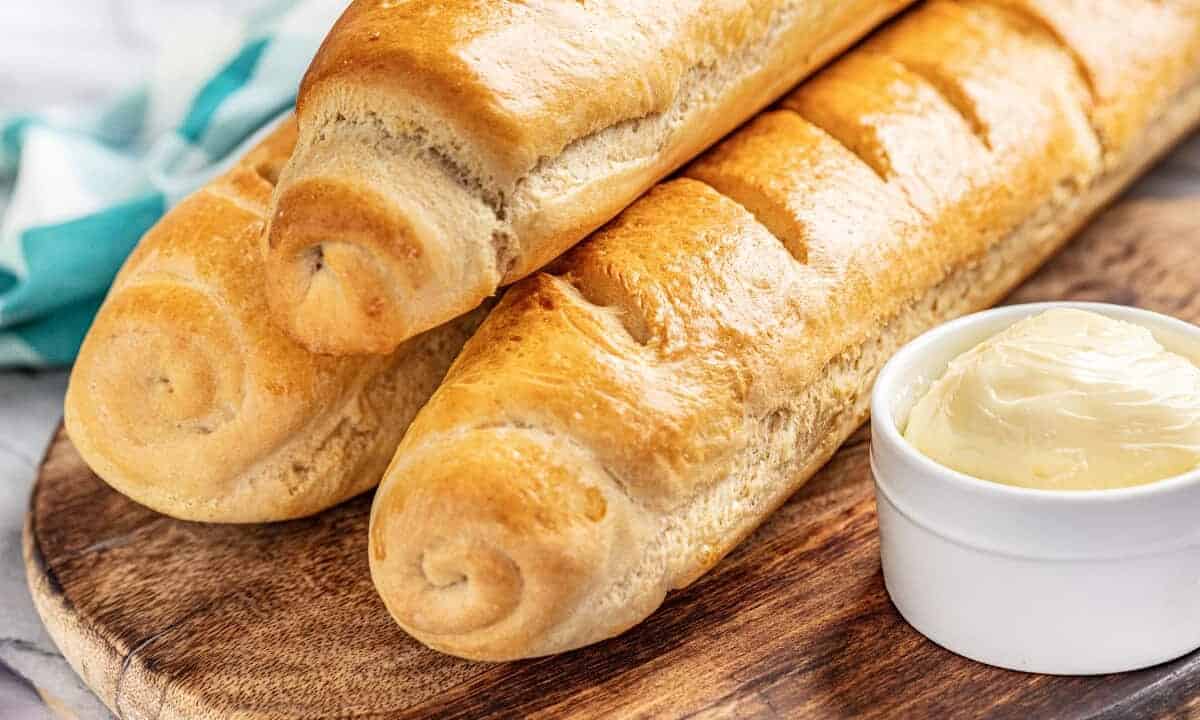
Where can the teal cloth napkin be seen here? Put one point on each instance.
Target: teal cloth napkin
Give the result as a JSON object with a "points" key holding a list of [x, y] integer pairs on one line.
{"points": [[77, 193]]}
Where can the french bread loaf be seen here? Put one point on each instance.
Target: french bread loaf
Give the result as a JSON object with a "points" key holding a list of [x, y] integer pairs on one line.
{"points": [[451, 147], [188, 400], [622, 420]]}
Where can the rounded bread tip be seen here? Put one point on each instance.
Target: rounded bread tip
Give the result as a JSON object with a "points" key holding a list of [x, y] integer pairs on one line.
{"points": [[332, 298], [185, 392], [489, 558], [340, 270], [183, 383]]}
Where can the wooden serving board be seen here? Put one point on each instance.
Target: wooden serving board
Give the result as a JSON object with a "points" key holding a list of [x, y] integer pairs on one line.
{"points": [[167, 619]]}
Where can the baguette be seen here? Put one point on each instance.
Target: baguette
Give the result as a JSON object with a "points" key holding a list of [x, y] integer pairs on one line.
{"points": [[619, 423], [188, 400], [451, 147]]}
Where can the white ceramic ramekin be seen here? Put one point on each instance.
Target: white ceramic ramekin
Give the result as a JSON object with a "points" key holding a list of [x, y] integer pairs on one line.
{"points": [[1062, 582]]}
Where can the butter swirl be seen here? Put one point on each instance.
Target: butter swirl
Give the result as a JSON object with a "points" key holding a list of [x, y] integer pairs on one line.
{"points": [[1066, 400]]}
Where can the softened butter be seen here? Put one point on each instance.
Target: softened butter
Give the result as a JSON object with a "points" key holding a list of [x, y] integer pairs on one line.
{"points": [[1065, 400]]}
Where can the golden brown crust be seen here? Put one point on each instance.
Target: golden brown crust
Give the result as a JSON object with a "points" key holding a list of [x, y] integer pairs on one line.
{"points": [[536, 121], [523, 80], [1132, 54], [186, 398], [700, 356]]}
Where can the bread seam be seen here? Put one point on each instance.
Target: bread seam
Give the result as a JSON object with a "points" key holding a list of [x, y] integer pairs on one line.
{"points": [[691, 91], [418, 137]]}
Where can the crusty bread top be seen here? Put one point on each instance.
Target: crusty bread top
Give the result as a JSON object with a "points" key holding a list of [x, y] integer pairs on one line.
{"points": [[530, 77]]}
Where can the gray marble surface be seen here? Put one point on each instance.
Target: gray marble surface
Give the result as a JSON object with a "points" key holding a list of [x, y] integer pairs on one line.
{"points": [[121, 34], [30, 409]]}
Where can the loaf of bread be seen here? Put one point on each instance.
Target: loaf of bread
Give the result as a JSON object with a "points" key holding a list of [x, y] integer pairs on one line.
{"points": [[448, 148], [188, 400], [621, 421]]}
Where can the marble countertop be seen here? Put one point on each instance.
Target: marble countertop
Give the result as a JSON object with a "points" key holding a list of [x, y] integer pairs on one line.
{"points": [[35, 681], [30, 409]]}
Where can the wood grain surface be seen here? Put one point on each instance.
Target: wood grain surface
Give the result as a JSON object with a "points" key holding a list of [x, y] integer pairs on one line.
{"points": [[167, 619]]}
